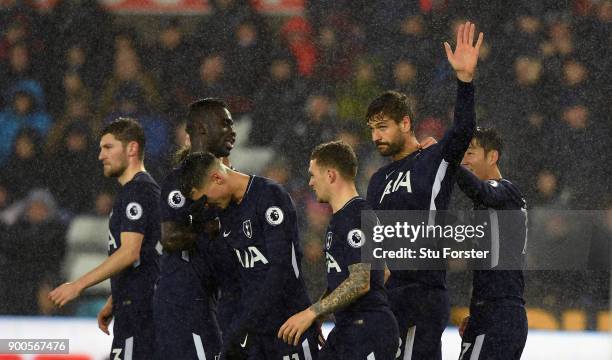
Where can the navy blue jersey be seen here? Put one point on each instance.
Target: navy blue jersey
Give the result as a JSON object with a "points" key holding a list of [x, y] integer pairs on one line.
{"points": [[424, 179], [508, 233], [344, 240], [191, 275], [136, 209], [263, 232]]}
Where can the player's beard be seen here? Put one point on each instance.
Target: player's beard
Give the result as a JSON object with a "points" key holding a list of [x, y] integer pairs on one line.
{"points": [[390, 148], [116, 171]]}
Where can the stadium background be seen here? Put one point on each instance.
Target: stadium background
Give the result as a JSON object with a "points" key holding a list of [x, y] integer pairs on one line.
{"points": [[295, 73]]}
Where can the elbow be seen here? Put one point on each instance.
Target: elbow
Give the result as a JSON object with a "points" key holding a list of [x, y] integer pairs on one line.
{"points": [[364, 288], [134, 256]]}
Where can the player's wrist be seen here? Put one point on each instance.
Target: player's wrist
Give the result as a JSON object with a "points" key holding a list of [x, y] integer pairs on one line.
{"points": [[465, 76]]}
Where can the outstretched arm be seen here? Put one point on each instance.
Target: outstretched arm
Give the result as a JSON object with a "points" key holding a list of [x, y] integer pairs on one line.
{"points": [[463, 60]]}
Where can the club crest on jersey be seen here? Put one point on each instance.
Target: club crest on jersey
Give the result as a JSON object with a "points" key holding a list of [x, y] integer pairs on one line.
{"points": [[247, 228], [133, 211], [356, 238], [176, 199], [328, 240], [274, 215]]}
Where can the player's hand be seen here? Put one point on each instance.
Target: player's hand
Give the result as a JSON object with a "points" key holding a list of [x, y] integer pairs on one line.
{"points": [[464, 58], [463, 325], [427, 142], [105, 316], [65, 293], [293, 329]]}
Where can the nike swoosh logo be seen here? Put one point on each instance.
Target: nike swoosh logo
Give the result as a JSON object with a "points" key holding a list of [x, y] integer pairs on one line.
{"points": [[243, 344], [227, 234], [389, 174]]}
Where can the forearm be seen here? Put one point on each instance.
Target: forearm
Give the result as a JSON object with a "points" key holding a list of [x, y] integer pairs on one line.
{"points": [[458, 137], [468, 183], [351, 289], [113, 265]]}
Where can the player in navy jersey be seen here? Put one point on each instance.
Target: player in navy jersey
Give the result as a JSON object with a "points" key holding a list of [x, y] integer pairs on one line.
{"points": [[259, 221], [194, 265], [133, 243], [422, 179], [365, 326], [497, 325]]}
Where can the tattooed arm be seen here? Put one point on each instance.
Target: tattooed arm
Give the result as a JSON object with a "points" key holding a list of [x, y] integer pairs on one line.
{"points": [[351, 289]]}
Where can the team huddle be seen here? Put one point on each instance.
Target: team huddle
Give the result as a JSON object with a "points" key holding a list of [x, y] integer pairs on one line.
{"points": [[208, 266]]}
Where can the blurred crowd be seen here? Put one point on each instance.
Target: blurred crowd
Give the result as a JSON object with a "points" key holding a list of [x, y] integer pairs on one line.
{"points": [[543, 80]]}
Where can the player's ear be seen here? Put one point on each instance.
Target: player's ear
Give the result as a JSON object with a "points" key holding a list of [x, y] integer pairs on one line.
{"points": [[331, 175], [493, 157], [406, 123], [132, 148], [216, 178]]}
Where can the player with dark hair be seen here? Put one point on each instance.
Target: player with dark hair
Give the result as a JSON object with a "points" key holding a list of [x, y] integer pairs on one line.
{"points": [[194, 265], [365, 326], [134, 234], [259, 221], [497, 325], [422, 179]]}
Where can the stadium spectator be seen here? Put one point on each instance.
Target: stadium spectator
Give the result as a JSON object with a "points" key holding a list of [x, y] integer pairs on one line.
{"points": [[210, 80], [36, 245], [354, 96], [26, 110], [277, 103], [297, 37], [76, 156]]}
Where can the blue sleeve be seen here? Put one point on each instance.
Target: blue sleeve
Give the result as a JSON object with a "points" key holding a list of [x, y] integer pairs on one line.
{"points": [[457, 139], [489, 193], [277, 214], [370, 194], [137, 207], [174, 206]]}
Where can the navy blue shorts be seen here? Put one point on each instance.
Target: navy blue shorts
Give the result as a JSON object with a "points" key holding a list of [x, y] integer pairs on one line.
{"points": [[269, 347], [186, 331], [367, 336], [422, 314], [494, 332], [133, 332]]}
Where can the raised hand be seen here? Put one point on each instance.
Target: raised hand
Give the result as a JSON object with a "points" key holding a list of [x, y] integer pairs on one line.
{"points": [[464, 58]]}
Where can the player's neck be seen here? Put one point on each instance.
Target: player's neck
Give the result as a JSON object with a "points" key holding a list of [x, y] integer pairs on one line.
{"points": [[342, 195], [494, 174], [410, 146], [130, 172], [241, 184]]}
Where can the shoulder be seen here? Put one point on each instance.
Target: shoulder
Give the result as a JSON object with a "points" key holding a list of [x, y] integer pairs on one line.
{"points": [[142, 185], [513, 190]]}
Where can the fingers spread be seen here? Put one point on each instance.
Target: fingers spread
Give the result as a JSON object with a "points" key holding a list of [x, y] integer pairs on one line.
{"points": [[471, 37], [479, 41]]}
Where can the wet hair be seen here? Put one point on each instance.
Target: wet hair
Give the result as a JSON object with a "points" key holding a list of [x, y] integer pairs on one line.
{"points": [[196, 168], [125, 130], [489, 139], [337, 155], [393, 104], [202, 108]]}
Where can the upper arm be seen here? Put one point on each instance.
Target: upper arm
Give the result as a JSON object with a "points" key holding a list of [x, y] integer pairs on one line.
{"points": [[131, 242], [489, 193], [277, 214]]}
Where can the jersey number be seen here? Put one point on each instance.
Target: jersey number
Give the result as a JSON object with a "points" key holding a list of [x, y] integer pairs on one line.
{"points": [[117, 353], [466, 346], [293, 357]]}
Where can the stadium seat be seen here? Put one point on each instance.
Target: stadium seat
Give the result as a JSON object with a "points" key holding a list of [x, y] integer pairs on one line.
{"points": [[574, 319], [603, 321], [458, 313], [541, 319], [88, 233]]}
